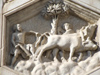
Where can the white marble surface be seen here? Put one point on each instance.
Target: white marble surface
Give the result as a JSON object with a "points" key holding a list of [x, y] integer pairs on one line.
{"points": [[92, 4], [96, 72], [1, 3], [14, 4], [7, 71]]}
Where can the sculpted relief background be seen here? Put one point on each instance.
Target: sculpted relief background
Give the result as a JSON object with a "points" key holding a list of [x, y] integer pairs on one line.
{"points": [[52, 39]]}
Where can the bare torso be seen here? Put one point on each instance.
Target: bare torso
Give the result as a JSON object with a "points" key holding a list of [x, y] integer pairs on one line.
{"points": [[19, 38]]}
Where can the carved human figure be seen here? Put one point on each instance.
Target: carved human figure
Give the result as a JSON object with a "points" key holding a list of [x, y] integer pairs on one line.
{"points": [[65, 30], [68, 30], [18, 41]]}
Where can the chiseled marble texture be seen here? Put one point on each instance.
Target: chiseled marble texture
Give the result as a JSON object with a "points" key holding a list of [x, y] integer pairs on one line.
{"points": [[1, 4], [92, 4], [32, 65], [13, 4]]}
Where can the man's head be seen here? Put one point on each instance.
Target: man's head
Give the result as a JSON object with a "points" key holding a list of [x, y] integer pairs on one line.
{"points": [[17, 27], [66, 26]]}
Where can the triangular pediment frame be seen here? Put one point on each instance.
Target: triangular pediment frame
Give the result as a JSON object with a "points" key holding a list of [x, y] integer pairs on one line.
{"points": [[76, 9]]}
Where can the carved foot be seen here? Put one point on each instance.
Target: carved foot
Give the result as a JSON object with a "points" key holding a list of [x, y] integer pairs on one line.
{"points": [[39, 60], [69, 60], [63, 59], [55, 59]]}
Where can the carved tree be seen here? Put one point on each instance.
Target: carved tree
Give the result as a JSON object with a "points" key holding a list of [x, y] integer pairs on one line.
{"points": [[53, 10]]}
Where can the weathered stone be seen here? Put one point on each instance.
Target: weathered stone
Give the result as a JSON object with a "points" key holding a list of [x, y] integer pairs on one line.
{"points": [[49, 37]]}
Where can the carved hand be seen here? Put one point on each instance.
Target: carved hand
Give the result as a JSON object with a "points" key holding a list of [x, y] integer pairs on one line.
{"points": [[17, 45]]}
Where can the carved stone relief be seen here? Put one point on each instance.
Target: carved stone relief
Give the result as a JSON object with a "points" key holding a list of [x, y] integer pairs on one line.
{"points": [[69, 47], [6, 1]]}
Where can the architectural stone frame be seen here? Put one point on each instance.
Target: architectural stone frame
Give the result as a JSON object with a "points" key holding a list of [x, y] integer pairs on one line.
{"points": [[90, 4], [87, 15], [4, 27], [1, 6], [83, 12]]}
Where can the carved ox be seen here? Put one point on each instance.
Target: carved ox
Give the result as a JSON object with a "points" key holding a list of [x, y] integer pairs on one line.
{"points": [[68, 42]]}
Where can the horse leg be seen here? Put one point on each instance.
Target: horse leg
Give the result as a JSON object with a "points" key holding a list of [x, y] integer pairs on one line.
{"points": [[89, 53], [80, 56], [72, 50], [46, 47], [55, 53], [48, 54], [37, 51], [38, 42]]}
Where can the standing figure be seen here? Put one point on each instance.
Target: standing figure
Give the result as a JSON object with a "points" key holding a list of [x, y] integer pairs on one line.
{"points": [[18, 41]]}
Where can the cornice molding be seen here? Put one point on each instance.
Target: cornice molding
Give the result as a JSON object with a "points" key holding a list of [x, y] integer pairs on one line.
{"points": [[18, 8], [83, 12]]}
